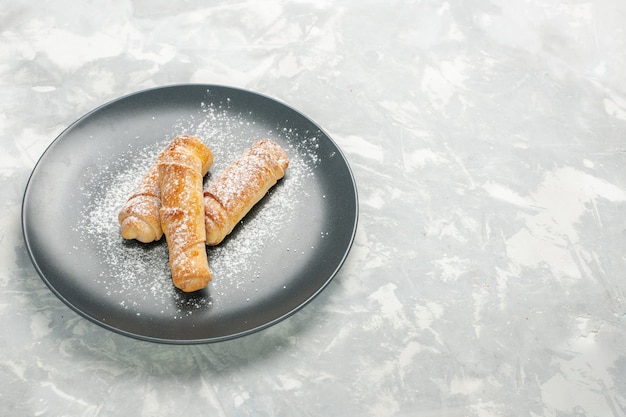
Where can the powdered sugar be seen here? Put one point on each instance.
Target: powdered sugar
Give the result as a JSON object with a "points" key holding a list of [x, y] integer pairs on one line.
{"points": [[136, 274]]}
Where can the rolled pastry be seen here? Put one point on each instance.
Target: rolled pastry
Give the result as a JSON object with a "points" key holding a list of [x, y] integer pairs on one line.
{"points": [[229, 197], [139, 218], [181, 170]]}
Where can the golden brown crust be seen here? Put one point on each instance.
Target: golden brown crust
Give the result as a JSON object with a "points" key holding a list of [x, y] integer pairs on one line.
{"points": [[181, 170], [139, 218], [230, 196]]}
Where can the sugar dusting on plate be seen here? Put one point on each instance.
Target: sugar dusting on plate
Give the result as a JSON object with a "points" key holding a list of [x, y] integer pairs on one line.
{"points": [[137, 274]]}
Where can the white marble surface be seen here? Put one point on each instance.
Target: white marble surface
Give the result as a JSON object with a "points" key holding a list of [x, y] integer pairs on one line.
{"points": [[488, 141]]}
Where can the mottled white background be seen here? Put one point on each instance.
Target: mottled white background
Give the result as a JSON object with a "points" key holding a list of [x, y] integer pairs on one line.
{"points": [[488, 142]]}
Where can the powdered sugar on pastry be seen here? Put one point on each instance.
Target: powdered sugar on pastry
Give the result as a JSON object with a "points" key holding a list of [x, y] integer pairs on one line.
{"points": [[181, 169], [230, 196]]}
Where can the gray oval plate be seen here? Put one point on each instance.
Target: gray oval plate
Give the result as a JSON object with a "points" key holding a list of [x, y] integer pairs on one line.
{"points": [[286, 250]]}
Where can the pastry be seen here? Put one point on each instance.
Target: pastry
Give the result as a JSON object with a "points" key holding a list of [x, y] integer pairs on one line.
{"points": [[181, 169], [139, 218], [230, 196]]}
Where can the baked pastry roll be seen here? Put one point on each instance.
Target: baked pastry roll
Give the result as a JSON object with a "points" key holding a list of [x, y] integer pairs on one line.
{"points": [[181, 169], [230, 196], [139, 218]]}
